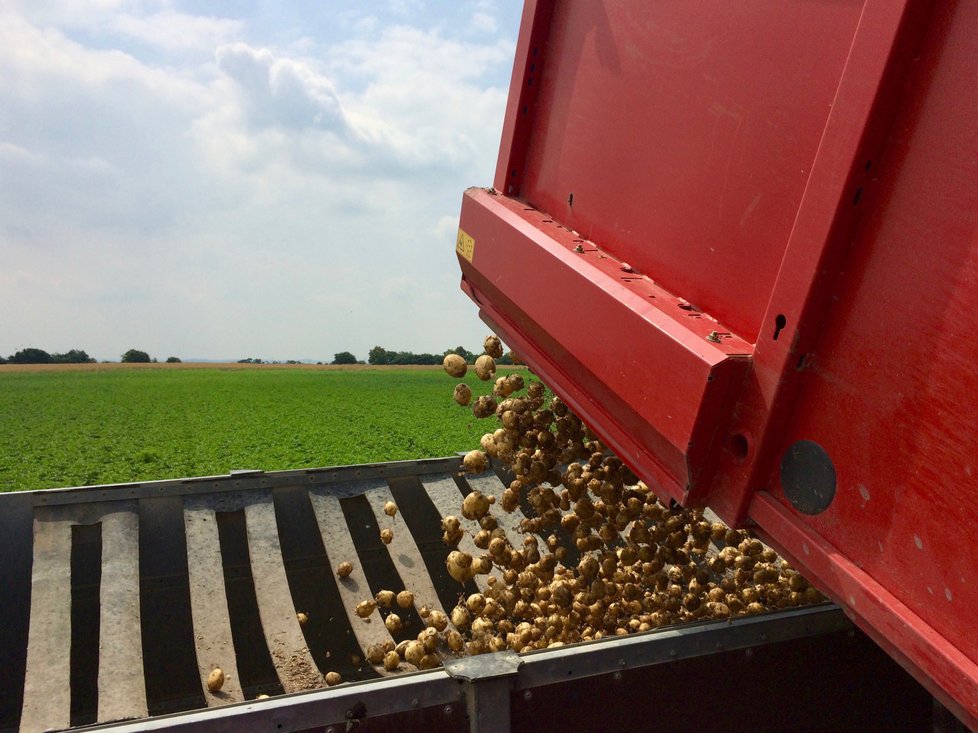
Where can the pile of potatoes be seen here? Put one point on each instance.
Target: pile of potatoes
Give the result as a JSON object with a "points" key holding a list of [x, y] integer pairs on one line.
{"points": [[600, 554]]}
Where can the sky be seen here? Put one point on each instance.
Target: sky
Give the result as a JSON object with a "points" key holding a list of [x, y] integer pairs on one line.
{"points": [[259, 178]]}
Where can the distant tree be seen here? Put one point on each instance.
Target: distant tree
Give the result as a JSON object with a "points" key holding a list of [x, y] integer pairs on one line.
{"points": [[505, 359], [135, 356], [2, 360], [250, 360], [344, 357], [174, 360], [74, 356], [380, 355], [31, 356]]}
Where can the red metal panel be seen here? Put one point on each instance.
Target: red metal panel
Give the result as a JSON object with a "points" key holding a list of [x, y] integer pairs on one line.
{"points": [[678, 128], [889, 391], [729, 153], [660, 394]]}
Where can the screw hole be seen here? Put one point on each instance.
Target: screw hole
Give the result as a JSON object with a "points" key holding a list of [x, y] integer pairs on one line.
{"points": [[859, 195], [779, 323], [570, 199], [739, 446], [869, 164]]}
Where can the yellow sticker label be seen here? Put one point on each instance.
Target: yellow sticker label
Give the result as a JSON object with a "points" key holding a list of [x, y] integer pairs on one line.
{"points": [[465, 245]]}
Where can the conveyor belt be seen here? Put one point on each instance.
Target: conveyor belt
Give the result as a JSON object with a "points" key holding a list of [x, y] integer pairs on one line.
{"points": [[226, 564], [51, 699]]}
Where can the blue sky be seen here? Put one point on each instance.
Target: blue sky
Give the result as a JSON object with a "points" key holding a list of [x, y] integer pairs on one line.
{"points": [[233, 179]]}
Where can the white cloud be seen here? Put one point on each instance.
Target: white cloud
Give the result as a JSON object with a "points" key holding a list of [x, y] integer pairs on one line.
{"points": [[484, 22], [277, 201]]}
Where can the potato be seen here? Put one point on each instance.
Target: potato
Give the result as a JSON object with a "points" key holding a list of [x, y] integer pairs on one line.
{"points": [[461, 618], [462, 394], [413, 652], [476, 504], [485, 367], [405, 599], [438, 620], [385, 598], [390, 508], [391, 661], [393, 623], [344, 569], [475, 461], [215, 680], [333, 678], [365, 608], [484, 407], [454, 365], [459, 565], [386, 535], [493, 347], [375, 653]]}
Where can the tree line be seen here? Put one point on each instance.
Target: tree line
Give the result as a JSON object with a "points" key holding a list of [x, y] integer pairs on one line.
{"points": [[34, 355], [378, 356], [381, 356]]}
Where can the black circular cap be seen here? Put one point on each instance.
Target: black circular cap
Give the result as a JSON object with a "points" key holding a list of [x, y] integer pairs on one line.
{"points": [[808, 477]]}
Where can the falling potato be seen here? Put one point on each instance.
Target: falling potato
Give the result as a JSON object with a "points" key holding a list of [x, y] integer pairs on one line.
{"points": [[215, 680], [454, 365], [462, 394], [493, 346], [390, 508], [344, 569], [387, 535], [485, 367]]}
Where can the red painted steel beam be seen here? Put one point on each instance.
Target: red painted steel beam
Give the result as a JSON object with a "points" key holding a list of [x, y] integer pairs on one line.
{"points": [[620, 350], [855, 131]]}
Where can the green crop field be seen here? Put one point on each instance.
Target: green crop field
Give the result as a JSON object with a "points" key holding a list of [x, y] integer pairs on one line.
{"points": [[74, 426]]}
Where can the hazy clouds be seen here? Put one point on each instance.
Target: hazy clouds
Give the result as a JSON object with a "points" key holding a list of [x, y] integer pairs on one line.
{"points": [[274, 183]]}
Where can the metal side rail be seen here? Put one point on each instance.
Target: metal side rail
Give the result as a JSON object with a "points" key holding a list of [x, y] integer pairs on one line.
{"points": [[458, 690]]}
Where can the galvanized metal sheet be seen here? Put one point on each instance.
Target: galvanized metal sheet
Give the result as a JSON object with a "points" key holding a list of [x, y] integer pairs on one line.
{"points": [[121, 684], [47, 691], [294, 664], [208, 601]]}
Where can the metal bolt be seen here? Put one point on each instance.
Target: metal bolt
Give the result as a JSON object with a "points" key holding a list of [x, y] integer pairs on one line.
{"points": [[579, 248], [617, 676], [415, 702], [713, 336], [528, 695], [447, 710], [625, 267]]}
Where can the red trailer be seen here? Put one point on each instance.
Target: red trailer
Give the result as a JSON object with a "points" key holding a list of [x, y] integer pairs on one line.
{"points": [[739, 239]]}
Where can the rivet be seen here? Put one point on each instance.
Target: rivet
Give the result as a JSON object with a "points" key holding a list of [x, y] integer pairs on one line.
{"points": [[713, 336]]}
